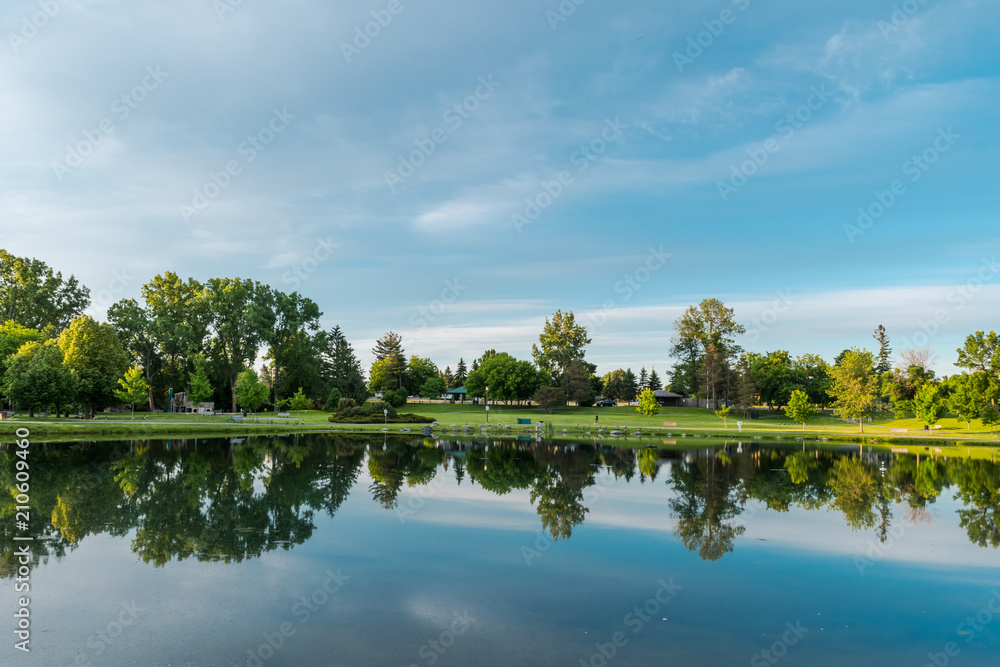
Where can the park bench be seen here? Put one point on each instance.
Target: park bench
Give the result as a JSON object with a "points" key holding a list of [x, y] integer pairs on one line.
{"points": [[235, 418], [523, 421]]}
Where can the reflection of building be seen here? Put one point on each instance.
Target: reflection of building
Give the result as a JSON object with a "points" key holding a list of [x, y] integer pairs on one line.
{"points": [[183, 404]]}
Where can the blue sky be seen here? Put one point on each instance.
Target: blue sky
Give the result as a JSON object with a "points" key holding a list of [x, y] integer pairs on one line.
{"points": [[738, 138]]}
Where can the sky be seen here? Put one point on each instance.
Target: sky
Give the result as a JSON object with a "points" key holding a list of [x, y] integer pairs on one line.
{"points": [[458, 171]]}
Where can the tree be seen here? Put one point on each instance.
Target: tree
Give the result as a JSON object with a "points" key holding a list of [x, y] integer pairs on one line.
{"points": [[708, 323], [35, 296], [800, 409], [549, 397], [884, 351], [928, 404], [96, 358], [461, 372], [200, 389], [341, 369], [433, 388], [990, 416], [614, 385], [447, 378], [965, 402], [299, 402], [292, 317], [981, 352], [389, 349], [562, 342], [576, 383], [251, 393], [418, 372], [643, 378], [713, 370], [509, 379], [648, 404], [135, 328], [36, 377], [180, 313], [133, 388], [630, 386], [855, 386], [242, 319], [654, 381], [723, 414], [12, 337], [746, 390]]}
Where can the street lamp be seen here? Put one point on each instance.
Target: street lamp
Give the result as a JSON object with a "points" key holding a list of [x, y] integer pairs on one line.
{"points": [[385, 413], [487, 406]]}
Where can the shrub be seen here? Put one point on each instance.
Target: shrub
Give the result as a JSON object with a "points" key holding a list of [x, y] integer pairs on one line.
{"points": [[375, 409], [395, 397], [333, 399], [345, 404]]}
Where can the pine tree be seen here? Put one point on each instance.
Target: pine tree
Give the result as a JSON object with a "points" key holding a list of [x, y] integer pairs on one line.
{"points": [[389, 348], [631, 386], [643, 378], [342, 369], [448, 379], [654, 381], [461, 372]]}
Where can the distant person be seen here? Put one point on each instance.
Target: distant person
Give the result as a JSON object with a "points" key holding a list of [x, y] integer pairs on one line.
{"points": [[595, 420]]}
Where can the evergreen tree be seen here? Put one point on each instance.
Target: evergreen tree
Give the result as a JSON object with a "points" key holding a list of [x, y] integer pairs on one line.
{"points": [[643, 378], [448, 379], [461, 372], [654, 381], [883, 364], [341, 368], [389, 348], [630, 387]]}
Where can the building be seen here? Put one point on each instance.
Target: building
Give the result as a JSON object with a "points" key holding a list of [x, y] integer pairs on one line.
{"points": [[668, 399], [183, 404]]}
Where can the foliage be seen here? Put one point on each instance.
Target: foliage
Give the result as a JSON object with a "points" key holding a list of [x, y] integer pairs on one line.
{"points": [[389, 351], [708, 323], [418, 372], [928, 404], [965, 402], [96, 358], [576, 383], [333, 398], [35, 296], [509, 379], [461, 373], [800, 409], [346, 404], [561, 342], [549, 398], [433, 387], [199, 388], [36, 377], [401, 418], [395, 397], [648, 405], [300, 401], [133, 388], [251, 393], [723, 414], [855, 386], [340, 367]]}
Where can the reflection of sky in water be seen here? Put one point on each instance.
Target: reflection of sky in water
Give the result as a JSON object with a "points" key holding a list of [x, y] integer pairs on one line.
{"points": [[462, 552]]}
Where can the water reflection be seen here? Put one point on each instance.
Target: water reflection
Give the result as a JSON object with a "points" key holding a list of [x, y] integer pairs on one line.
{"points": [[218, 500]]}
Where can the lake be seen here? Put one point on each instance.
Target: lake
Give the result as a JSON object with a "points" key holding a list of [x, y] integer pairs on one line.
{"points": [[388, 550]]}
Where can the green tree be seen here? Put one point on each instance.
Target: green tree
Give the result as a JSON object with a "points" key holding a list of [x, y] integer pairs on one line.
{"points": [[630, 386], [576, 383], [965, 402], [708, 323], [614, 385], [433, 387], [448, 378], [884, 351], [561, 342], [96, 358], [648, 404], [654, 381], [419, 371], [509, 379], [643, 378], [299, 401], [251, 393], [746, 390], [341, 368], [461, 372], [929, 406], [723, 414], [800, 408], [989, 416], [389, 349], [35, 296], [12, 337], [242, 319], [855, 387], [135, 327], [133, 388], [549, 398], [180, 319], [200, 389], [36, 377], [293, 317], [981, 352]]}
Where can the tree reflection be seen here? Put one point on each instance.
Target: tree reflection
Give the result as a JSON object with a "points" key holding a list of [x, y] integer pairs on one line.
{"points": [[709, 497]]}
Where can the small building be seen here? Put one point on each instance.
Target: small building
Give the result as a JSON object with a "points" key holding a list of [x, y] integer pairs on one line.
{"points": [[668, 399], [184, 404]]}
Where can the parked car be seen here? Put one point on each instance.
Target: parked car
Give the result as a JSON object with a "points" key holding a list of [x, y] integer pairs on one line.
{"points": [[607, 403]]}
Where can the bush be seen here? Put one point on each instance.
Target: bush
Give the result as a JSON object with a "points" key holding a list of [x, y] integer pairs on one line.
{"points": [[375, 409], [395, 397], [345, 404], [405, 418], [333, 399]]}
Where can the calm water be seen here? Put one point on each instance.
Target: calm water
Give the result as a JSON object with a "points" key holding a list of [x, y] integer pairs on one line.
{"points": [[333, 551]]}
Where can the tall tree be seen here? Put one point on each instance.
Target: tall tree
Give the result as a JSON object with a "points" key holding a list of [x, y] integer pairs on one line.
{"points": [[181, 317], [561, 342], [630, 387], [643, 378], [341, 367], [200, 388], [799, 408], [708, 323], [965, 402], [35, 296], [241, 322], [293, 316], [654, 381], [447, 378], [461, 372], [389, 349], [135, 327], [745, 395], [929, 406], [12, 337], [251, 393], [96, 358], [855, 387], [883, 364], [981, 352], [576, 384]]}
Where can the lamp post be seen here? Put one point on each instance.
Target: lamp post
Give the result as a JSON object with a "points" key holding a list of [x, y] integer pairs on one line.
{"points": [[385, 414], [487, 406]]}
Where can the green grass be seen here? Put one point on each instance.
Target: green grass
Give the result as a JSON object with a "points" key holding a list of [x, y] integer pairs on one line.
{"points": [[575, 420]]}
